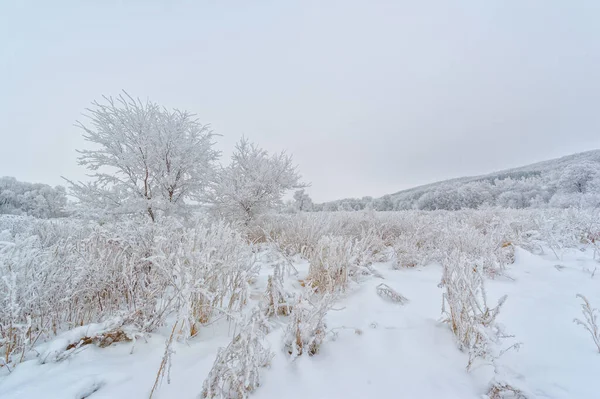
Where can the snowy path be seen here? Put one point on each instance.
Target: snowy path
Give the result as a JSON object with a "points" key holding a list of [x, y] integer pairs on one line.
{"points": [[402, 352]]}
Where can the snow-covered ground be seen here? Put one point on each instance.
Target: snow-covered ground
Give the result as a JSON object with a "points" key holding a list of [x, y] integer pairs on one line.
{"points": [[375, 349]]}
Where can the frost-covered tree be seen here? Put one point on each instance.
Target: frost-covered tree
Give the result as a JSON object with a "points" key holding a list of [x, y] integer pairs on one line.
{"points": [[302, 201], [384, 203], [511, 199], [253, 183], [145, 158], [345, 206], [575, 178], [33, 199]]}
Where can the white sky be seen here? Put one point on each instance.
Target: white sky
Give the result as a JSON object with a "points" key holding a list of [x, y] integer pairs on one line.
{"points": [[370, 96]]}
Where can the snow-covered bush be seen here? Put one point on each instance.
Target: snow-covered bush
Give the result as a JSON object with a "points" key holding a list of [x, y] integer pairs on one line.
{"points": [[25, 316], [466, 311], [307, 329], [142, 271], [207, 269], [591, 320], [293, 234], [488, 247], [277, 300], [411, 253], [236, 370], [60, 274], [305, 234], [330, 264], [368, 248], [418, 238]]}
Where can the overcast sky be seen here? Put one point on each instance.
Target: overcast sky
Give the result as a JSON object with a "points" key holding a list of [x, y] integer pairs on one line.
{"points": [[369, 96]]}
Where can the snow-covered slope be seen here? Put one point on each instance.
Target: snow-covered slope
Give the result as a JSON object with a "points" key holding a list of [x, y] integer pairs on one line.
{"points": [[375, 349], [551, 165], [532, 185]]}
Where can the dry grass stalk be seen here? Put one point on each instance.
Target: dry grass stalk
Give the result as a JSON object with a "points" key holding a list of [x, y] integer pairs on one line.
{"points": [[387, 292], [502, 390], [307, 329], [102, 340], [276, 298], [591, 320], [236, 370], [165, 363]]}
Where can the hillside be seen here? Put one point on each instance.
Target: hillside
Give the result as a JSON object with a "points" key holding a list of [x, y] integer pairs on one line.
{"points": [[572, 180]]}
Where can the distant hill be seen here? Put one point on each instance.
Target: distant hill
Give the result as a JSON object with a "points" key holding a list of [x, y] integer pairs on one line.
{"points": [[572, 180]]}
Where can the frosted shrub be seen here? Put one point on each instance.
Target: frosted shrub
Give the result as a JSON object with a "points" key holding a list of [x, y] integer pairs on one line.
{"points": [[307, 329], [18, 327], [330, 264], [591, 320], [415, 237], [568, 228], [60, 274], [294, 234], [236, 370], [207, 269], [141, 271], [416, 242], [408, 253], [36, 271], [13, 225], [465, 309], [277, 300], [564, 229], [369, 248], [487, 247], [336, 259]]}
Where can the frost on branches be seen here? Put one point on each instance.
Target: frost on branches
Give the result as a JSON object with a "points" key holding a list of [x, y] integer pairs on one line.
{"points": [[253, 183], [149, 159], [236, 370]]}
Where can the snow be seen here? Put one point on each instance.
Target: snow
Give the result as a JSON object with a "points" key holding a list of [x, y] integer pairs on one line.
{"points": [[376, 348], [558, 358]]}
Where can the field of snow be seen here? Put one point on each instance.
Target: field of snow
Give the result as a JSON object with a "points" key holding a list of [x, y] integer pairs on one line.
{"points": [[374, 348]]}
